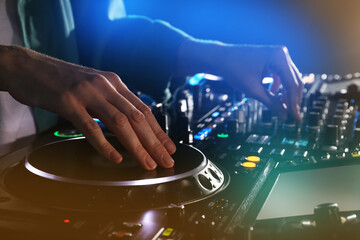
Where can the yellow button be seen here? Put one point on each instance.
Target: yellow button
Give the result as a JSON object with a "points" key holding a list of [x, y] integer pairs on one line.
{"points": [[355, 154], [249, 164], [253, 158], [167, 232]]}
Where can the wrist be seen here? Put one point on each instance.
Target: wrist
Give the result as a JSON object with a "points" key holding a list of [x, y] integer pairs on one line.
{"points": [[6, 65]]}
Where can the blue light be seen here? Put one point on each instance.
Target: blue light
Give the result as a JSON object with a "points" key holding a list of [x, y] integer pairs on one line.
{"points": [[196, 79], [205, 131], [101, 125], [215, 114], [199, 136], [116, 10]]}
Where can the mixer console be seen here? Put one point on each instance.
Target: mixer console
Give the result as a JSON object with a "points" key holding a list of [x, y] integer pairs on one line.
{"points": [[240, 173]]}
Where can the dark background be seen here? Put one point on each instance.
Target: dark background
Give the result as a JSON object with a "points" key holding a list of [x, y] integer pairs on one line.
{"points": [[322, 35]]}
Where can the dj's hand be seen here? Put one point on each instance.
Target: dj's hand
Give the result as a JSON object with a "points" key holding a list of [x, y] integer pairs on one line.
{"points": [[244, 67], [78, 94]]}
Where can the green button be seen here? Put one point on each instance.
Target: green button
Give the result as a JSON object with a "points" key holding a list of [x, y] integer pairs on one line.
{"points": [[223, 135]]}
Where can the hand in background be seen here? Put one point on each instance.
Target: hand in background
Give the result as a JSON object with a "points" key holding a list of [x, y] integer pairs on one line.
{"points": [[243, 67], [78, 94]]}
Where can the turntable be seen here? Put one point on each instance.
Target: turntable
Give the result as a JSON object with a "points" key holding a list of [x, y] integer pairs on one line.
{"points": [[69, 174]]}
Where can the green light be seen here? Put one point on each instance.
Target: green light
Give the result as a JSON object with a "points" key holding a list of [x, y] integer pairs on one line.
{"points": [[223, 135], [57, 134]]}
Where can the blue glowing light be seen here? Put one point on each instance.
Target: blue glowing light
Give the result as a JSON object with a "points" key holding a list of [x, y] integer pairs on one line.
{"points": [[101, 125], [199, 136], [196, 79], [203, 133], [116, 10], [215, 114]]}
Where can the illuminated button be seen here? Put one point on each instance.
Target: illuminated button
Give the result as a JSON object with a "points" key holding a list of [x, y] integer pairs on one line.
{"points": [[355, 154], [249, 164], [199, 137], [223, 135], [68, 134], [167, 232], [253, 159], [205, 131], [302, 143], [215, 114]]}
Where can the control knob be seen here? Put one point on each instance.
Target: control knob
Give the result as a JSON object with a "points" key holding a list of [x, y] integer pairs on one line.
{"points": [[331, 138]]}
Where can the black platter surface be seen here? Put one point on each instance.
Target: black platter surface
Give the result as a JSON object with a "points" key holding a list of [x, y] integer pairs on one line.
{"points": [[70, 175]]}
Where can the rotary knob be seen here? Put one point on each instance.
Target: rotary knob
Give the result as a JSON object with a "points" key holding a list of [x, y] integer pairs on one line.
{"points": [[331, 137], [327, 215]]}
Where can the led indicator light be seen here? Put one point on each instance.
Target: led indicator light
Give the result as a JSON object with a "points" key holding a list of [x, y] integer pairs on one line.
{"points": [[199, 136], [223, 135], [215, 114], [66, 221], [205, 131], [58, 134]]}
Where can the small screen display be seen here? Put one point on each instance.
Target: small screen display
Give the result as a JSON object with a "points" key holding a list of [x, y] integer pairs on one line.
{"points": [[298, 193], [294, 142]]}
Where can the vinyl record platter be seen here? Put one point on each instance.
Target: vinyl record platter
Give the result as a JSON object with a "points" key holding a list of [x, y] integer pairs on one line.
{"points": [[70, 174]]}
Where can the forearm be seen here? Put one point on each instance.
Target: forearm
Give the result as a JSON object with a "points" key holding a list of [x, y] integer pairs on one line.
{"points": [[196, 56], [5, 65], [142, 51]]}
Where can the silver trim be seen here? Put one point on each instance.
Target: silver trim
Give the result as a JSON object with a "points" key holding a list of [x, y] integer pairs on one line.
{"points": [[142, 182]]}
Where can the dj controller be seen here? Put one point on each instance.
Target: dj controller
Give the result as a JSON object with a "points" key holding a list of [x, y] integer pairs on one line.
{"points": [[239, 173]]}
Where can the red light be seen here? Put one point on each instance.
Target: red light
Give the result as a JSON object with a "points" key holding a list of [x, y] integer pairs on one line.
{"points": [[66, 221]]}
